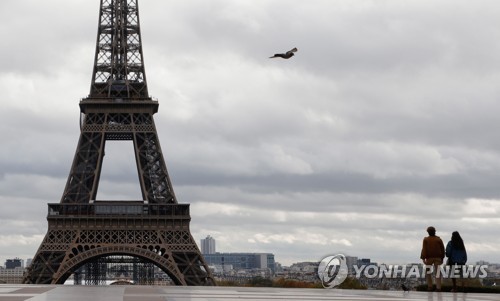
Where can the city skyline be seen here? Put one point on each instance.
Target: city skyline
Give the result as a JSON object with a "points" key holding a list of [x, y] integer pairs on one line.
{"points": [[351, 260], [381, 125]]}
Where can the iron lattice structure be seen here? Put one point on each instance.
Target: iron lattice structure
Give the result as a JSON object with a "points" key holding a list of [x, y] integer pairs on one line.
{"points": [[83, 232], [117, 269]]}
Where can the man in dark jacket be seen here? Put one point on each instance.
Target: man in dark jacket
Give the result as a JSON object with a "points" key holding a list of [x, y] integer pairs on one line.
{"points": [[432, 255]]}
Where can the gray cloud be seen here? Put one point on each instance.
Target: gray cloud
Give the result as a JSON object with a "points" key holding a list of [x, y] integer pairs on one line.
{"points": [[381, 125]]}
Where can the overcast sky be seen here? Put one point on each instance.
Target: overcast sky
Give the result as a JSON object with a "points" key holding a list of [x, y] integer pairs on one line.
{"points": [[385, 122]]}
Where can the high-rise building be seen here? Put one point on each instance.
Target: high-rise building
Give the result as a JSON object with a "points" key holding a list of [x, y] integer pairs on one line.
{"points": [[13, 263], [208, 245]]}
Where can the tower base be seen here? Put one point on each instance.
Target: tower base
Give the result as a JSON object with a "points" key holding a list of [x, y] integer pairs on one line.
{"points": [[83, 233]]}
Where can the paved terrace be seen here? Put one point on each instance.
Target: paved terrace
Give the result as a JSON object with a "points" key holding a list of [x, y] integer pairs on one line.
{"points": [[176, 293]]}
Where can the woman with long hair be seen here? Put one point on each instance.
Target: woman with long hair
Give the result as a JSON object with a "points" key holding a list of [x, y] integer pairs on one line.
{"points": [[457, 257]]}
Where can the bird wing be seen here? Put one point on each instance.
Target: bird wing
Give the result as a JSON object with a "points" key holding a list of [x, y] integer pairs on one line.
{"points": [[286, 55], [289, 53]]}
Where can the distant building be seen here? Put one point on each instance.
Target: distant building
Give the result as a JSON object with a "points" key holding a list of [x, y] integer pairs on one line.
{"points": [[208, 245], [278, 268], [11, 264], [351, 261], [12, 276], [242, 261], [364, 261], [304, 267]]}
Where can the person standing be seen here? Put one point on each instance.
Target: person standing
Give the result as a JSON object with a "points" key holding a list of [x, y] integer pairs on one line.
{"points": [[432, 255], [457, 257]]}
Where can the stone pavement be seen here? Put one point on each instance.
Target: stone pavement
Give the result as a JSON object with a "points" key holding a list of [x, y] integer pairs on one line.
{"points": [[13, 292]]}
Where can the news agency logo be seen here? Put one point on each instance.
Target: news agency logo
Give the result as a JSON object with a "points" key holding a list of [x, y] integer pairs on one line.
{"points": [[332, 270], [413, 271]]}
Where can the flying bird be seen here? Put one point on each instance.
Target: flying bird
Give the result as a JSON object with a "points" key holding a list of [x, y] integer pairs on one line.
{"points": [[286, 55]]}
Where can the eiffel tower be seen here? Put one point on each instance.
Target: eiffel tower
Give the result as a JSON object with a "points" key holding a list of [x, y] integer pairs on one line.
{"points": [[85, 232]]}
